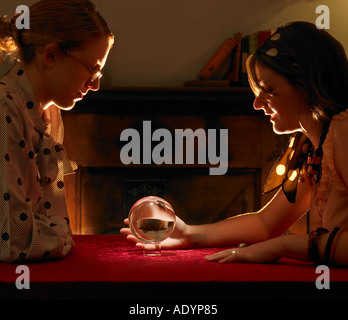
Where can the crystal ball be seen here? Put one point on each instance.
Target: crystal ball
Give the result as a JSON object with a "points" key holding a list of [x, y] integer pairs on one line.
{"points": [[151, 219]]}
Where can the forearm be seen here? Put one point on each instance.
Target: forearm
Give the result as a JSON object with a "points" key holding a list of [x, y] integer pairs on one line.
{"points": [[269, 222], [248, 228], [292, 246], [296, 247]]}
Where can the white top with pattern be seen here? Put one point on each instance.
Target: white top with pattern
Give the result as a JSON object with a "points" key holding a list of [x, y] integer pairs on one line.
{"points": [[34, 222]]}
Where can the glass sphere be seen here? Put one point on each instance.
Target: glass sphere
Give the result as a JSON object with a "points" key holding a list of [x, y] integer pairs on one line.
{"points": [[151, 220]]}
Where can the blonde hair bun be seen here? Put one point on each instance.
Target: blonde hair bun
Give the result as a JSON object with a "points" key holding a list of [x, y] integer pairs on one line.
{"points": [[68, 23]]}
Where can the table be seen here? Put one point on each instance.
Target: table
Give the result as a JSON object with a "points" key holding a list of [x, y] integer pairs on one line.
{"points": [[110, 267]]}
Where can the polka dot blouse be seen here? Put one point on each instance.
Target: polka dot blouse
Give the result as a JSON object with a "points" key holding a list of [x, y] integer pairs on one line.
{"points": [[34, 222]]}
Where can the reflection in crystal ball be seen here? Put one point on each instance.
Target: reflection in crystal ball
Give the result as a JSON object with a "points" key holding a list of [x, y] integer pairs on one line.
{"points": [[151, 219]]}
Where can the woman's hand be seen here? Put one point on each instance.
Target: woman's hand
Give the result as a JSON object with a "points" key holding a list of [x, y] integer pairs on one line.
{"points": [[178, 239], [262, 252]]}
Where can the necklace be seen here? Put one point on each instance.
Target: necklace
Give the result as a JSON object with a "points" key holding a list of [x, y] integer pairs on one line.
{"points": [[314, 165]]}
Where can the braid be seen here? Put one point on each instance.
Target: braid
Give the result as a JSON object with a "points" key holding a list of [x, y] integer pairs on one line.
{"points": [[324, 131], [314, 169]]}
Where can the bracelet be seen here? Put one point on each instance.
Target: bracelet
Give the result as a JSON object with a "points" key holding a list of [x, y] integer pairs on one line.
{"points": [[327, 253], [313, 252]]}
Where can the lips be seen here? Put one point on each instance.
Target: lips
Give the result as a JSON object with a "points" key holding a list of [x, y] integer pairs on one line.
{"points": [[80, 95], [273, 116]]}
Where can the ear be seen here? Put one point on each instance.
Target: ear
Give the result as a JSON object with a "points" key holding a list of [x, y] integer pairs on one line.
{"points": [[50, 54]]}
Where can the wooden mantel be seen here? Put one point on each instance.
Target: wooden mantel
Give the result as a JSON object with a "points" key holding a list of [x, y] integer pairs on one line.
{"points": [[232, 100]]}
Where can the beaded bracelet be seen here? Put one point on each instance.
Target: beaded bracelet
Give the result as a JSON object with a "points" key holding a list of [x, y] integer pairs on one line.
{"points": [[313, 252], [327, 253]]}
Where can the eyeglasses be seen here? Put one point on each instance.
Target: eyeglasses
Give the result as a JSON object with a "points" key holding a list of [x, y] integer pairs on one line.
{"points": [[96, 74]]}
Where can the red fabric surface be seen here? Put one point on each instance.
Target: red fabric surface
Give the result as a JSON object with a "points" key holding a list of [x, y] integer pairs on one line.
{"points": [[110, 258]]}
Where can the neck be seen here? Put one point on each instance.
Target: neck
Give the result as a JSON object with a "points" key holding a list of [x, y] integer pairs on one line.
{"points": [[312, 128], [37, 82]]}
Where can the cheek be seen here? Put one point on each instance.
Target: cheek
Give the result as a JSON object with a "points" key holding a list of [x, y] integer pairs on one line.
{"points": [[63, 90], [285, 107], [64, 95], [72, 76], [71, 85]]}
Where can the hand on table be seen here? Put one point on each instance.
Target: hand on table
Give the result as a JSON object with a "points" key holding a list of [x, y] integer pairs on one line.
{"points": [[261, 252], [178, 238]]}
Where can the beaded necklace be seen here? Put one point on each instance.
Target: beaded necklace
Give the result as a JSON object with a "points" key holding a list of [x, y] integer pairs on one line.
{"points": [[286, 170]]}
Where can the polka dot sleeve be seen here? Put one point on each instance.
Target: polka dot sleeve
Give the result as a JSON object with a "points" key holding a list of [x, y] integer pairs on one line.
{"points": [[34, 222]]}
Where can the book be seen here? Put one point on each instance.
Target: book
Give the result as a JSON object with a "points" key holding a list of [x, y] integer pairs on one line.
{"points": [[227, 67], [218, 57], [249, 46], [262, 36], [256, 39], [233, 73], [253, 43], [244, 56]]}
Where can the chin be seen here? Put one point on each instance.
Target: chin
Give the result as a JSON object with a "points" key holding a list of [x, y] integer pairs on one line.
{"points": [[284, 131], [279, 130], [66, 107]]}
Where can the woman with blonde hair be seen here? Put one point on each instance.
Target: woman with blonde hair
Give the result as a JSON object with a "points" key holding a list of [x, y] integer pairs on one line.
{"points": [[57, 61]]}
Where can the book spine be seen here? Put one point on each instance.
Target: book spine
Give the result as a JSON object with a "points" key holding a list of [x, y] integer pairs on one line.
{"points": [[262, 36], [233, 75], [219, 56], [253, 43], [244, 57]]}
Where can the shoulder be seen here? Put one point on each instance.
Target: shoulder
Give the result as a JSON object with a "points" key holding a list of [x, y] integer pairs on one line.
{"points": [[11, 108], [339, 131], [8, 101], [339, 134]]}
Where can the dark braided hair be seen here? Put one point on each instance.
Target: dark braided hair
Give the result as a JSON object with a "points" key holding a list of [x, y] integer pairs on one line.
{"points": [[308, 58], [324, 131], [314, 168]]}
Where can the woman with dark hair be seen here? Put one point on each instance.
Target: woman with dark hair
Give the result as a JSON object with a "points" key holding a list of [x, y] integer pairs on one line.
{"points": [[58, 60], [299, 77]]}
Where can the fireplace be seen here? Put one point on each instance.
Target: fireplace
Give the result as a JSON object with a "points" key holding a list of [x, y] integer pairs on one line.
{"points": [[100, 195]]}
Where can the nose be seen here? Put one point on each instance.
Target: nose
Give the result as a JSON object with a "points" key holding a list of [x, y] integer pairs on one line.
{"points": [[259, 103], [94, 86]]}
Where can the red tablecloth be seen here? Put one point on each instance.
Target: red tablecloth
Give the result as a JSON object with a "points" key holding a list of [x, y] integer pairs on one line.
{"points": [[108, 266]]}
